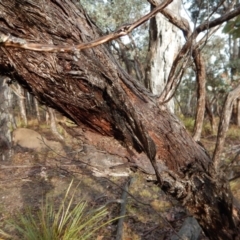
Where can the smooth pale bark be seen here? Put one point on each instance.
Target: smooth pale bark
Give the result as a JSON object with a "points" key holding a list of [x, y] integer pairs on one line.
{"points": [[6, 118], [36, 104], [53, 123], [22, 105], [91, 88], [164, 44]]}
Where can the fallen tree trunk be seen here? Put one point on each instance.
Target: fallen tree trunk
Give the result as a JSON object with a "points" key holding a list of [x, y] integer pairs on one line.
{"points": [[91, 88]]}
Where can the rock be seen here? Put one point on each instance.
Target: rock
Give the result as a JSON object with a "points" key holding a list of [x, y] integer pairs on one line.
{"points": [[190, 230]]}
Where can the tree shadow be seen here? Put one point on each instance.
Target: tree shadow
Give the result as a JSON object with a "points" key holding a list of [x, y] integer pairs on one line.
{"points": [[51, 174]]}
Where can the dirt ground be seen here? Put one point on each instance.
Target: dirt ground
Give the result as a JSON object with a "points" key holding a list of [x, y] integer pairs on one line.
{"points": [[29, 177]]}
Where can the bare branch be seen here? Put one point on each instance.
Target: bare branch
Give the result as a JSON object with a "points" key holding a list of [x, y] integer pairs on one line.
{"points": [[191, 47], [207, 25], [176, 20], [11, 41], [188, 47]]}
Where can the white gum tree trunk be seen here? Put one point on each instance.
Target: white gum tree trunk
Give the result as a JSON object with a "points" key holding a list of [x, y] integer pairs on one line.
{"points": [[164, 44]]}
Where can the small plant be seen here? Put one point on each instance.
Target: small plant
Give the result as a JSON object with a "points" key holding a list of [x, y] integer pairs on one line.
{"points": [[207, 129], [233, 132], [68, 222], [188, 123]]}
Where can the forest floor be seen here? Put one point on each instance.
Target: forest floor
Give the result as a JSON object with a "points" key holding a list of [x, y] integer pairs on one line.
{"points": [[29, 177]]}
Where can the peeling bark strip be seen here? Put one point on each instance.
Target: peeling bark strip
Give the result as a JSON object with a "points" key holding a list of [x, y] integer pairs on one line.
{"points": [[91, 88]]}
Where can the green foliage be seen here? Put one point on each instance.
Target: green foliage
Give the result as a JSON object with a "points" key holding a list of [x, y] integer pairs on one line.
{"points": [[207, 129], [233, 133], [68, 222], [110, 14], [188, 123], [233, 28], [201, 10]]}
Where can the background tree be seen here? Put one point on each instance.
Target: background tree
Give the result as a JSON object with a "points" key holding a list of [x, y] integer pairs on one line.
{"points": [[164, 44], [233, 53], [6, 118], [203, 11], [131, 50], [217, 82]]}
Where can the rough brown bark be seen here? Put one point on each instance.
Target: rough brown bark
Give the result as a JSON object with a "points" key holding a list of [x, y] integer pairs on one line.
{"points": [[201, 93], [91, 88]]}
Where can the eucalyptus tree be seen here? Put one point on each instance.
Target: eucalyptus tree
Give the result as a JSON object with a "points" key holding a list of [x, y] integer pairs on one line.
{"points": [[131, 50], [153, 55], [56, 51], [203, 10], [233, 31], [164, 44], [217, 82]]}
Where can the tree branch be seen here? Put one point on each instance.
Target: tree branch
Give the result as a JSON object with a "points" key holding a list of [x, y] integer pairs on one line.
{"points": [[207, 25], [224, 124], [11, 41], [201, 92], [180, 62], [190, 44]]}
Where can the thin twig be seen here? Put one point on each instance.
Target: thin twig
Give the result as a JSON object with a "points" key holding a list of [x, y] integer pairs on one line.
{"points": [[145, 204], [123, 210]]}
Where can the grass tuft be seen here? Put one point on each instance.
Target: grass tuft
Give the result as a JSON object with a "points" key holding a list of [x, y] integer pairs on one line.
{"points": [[65, 223]]}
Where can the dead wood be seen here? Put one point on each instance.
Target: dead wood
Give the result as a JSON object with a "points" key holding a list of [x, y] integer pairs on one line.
{"points": [[92, 89]]}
